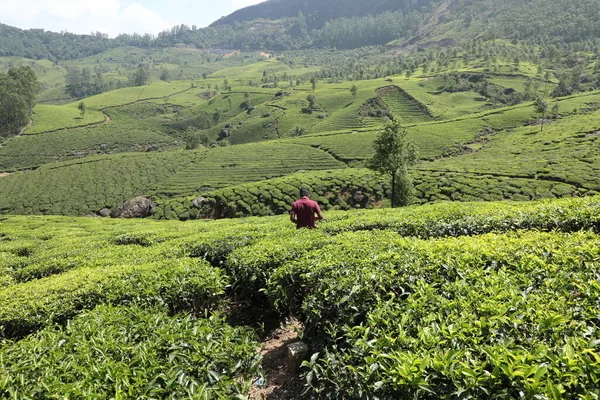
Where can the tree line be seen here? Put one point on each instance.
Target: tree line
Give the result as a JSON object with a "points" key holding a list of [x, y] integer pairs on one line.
{"points": [[18, 89]]}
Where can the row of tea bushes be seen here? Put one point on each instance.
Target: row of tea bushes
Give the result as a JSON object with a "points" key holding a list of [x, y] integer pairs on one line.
{"points": [[131, 353], [184, 284], [489, 316], [356, 188]]}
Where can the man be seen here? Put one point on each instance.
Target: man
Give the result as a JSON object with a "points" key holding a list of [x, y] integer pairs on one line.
{"points": [[304, 210]]}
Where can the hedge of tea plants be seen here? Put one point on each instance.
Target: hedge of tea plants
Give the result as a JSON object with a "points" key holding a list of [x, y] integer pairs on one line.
{"points": [[130, 353], [452, 300], [346, 189]]}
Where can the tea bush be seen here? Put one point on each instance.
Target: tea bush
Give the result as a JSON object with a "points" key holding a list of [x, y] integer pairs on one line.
{"points": [[176, 284], [131, 353]]}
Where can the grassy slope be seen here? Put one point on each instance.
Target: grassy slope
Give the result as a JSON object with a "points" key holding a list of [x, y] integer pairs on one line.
{"points": [[341, 125]]}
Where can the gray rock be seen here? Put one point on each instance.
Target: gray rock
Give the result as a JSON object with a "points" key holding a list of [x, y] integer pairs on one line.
{"points": [[105, 212], [138, 207], [198, 202], [297, 352]]}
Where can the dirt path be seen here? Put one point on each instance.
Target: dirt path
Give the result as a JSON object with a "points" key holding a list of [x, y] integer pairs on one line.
{"points": [[3, 174], [280, 383]]}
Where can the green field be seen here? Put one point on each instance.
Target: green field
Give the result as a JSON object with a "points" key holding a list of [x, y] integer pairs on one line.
{"points": [[492, 299]]}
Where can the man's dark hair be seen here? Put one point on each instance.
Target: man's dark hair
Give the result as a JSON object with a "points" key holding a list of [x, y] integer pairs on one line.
{"points": [[304, 192]]}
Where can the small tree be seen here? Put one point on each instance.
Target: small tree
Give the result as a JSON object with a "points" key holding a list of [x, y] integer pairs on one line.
{"points": [[540, 105], [217, 116], [298, 131], [81, 108], [165, 76], [394, 155], [354, 91], [313, 82], [311, 102]]}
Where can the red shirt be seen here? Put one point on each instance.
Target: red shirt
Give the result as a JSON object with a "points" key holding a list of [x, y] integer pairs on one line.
{"points": [[305, 209]]}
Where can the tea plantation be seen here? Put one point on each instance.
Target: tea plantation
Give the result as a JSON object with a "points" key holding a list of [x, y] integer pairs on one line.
{"points": [[480, 300]]}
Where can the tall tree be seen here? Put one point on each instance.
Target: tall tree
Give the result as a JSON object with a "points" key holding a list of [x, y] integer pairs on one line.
{"points": [[540, 105], [394, 155]]}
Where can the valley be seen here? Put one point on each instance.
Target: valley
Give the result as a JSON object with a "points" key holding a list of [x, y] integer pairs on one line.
{"points": [[486, 285]]}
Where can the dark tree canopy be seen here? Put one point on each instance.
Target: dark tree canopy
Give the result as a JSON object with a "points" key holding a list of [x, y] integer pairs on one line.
{"points": [[18, 89]]}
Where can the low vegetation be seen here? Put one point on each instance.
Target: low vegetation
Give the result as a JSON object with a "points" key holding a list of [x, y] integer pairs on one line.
{"points": [[516, 282]]}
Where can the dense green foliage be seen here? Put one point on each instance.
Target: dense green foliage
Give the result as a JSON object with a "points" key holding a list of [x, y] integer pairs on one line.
{"points": [[318, 12], [487, 299], [136, 352], [18, 88], [393, 156]]}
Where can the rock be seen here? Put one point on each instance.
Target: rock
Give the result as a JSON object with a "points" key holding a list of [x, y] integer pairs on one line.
{"points": [[138, 207], [224, 134], [228, 126], [322, 116], [198, 202], [297, 352], [241, 123], [105, 212], [103, 146], [250, 110], [279, 94], [359, 197], [152, 147], [266, 115]]}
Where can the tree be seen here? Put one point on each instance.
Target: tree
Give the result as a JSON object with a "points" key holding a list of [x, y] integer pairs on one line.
{"points": [[354, 91], [298, 131], [18, 89], [165, 76], [555, 110], [313, 82], [311, 102], [81, 108], [540, 105], [141, 76], [394, 155], [217, 116]]}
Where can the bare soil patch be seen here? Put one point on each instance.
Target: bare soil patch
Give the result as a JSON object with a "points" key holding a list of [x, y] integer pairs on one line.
{"points": [[280, 383], [3, 174]]}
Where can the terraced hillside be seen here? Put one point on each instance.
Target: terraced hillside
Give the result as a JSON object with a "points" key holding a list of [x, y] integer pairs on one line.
{"points": [[247, 118]]}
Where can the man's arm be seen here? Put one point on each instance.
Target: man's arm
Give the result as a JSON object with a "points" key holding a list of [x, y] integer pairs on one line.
{"points": [[294, 214], [318, 212]]}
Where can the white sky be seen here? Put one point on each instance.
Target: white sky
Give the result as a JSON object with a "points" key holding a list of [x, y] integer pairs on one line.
{"points": [[115, 16]]}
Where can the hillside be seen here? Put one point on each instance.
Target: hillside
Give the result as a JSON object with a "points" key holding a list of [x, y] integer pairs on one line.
{"points": [[485, 286], [318, 12]]}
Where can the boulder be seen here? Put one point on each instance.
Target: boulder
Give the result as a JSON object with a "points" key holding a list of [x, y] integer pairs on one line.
{"points": [[297, 352], [138, 207], [199, 202], [105, 212]]}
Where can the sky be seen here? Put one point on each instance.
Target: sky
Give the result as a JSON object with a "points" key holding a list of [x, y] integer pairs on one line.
{"points": [[115, 16]]}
